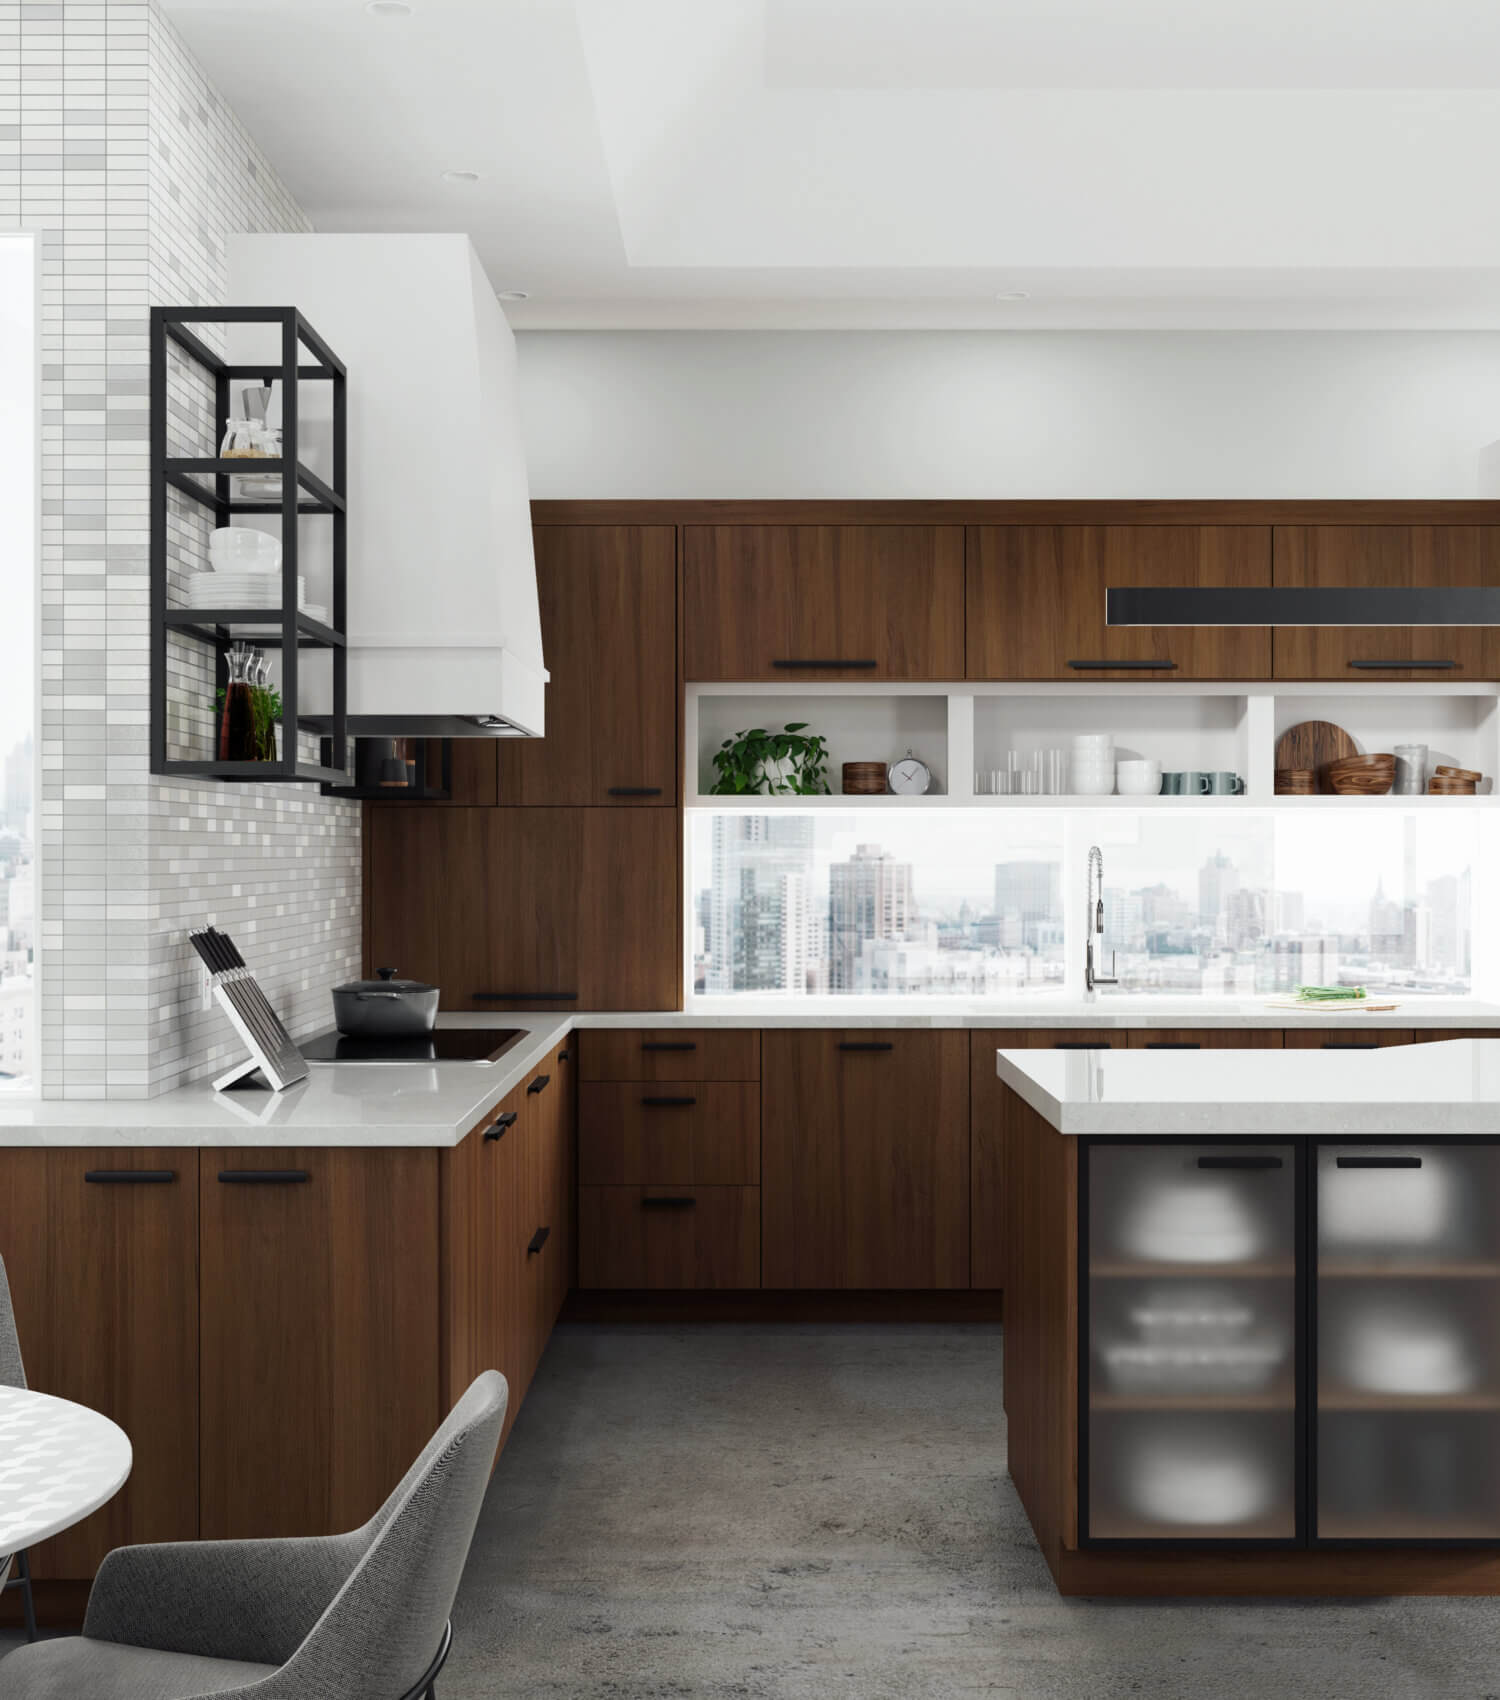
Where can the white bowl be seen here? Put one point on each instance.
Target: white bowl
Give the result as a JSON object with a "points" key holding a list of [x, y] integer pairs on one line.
{"points": [[1101, 743], [1196, 1477], [1401, 1345], [1091, 785], [242, 546], [1192, 1220], [1138, 778]]}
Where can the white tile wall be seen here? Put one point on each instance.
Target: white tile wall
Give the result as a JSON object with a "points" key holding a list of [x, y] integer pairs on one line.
{"points": [[115, 149]]}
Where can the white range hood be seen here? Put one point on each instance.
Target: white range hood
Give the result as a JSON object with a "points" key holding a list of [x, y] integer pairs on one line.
{"points": [[444, 634]]}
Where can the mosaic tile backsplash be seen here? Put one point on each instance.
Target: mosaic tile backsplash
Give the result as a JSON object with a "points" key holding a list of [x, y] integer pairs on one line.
{"points": [[116, 151]]}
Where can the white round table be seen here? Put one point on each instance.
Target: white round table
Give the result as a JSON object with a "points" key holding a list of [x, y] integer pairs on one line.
{"points": [[58, 1462]]}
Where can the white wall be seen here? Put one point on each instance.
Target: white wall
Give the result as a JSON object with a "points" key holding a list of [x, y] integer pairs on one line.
{"points": [[968, 414]]}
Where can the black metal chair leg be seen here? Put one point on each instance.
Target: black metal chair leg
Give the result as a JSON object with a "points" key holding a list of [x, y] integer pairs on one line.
{"points": [[22, 1580]]}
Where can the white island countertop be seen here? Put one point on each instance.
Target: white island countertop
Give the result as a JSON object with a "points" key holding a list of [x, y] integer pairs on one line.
{"points": [[1447, 1088]]}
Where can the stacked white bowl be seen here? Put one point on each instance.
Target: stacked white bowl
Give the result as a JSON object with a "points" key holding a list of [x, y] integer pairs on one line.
{"points": [[1091, 764]]}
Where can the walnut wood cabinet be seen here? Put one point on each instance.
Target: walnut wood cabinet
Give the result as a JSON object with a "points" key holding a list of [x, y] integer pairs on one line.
{"points": [[1034, 605], [849, 602]]}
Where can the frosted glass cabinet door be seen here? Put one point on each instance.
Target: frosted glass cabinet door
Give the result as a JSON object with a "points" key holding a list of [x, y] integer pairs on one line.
{"points": [[1191, 1414], [1408, 1324]]}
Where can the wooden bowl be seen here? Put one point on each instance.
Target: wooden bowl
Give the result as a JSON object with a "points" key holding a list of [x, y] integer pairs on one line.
{"points": [[1444, 785], [1457, 773], [864, 779], [1361, 776], [1296, 782]]}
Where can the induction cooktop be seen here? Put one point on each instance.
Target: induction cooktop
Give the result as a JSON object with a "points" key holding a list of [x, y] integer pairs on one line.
{"points": [[442, 1045]]}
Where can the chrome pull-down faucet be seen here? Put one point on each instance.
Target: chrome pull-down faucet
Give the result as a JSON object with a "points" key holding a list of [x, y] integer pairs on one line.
{"points": [[1093, 923]]}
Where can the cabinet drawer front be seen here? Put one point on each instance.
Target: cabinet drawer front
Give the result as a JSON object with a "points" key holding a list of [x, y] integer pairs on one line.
{"points": [[678, 1237], [669, 1053], [706, 1133]]}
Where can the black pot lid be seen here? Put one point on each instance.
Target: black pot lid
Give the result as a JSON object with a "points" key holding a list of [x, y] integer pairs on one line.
{"points": [[388, 983]]}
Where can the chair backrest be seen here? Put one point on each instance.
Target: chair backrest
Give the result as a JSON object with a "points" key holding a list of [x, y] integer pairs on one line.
{"points": [[12, 1371], [382, 1628]]}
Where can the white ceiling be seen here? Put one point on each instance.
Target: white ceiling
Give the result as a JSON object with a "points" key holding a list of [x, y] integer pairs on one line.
{"points": [[900, 162]]}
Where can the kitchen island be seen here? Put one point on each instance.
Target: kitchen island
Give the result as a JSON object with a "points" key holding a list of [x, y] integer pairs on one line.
{"points": [[1251, 1318]]}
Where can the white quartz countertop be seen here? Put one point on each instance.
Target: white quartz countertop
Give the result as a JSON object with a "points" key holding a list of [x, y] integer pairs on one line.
{"points": [[1447, 1088]]}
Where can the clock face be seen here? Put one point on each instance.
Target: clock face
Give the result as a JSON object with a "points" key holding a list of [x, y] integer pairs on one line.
{"points": [[909, 777]]}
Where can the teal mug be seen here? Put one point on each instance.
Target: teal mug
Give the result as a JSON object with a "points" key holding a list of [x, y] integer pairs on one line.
{"points": [[1222, 784], [1186, 784]]}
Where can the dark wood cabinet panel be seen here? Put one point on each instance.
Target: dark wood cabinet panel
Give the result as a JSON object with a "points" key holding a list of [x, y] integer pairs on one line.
{"points": [[1399, 556], [1035, 601], [865, 1158], [319, 1335], [891, 596], [1205, 1038], [105, 1283], [669, 1053], [473, 769], [704, 1133], [529, 904], [543, 1242], [683, 1238], [608, 597]]}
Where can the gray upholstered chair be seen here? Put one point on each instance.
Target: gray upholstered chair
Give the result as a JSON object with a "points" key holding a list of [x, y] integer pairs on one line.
{"points": [[13, 1374], [362, 1616]]}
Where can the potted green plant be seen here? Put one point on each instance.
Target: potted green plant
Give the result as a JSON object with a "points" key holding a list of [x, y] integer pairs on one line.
{"points": [[758, 763]]}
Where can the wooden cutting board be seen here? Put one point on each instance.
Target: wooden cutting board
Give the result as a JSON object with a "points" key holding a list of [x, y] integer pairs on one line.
{"points": [[1314, 743]]}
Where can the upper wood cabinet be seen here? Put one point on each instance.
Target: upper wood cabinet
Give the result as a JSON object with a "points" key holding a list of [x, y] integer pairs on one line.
{"points": [[608, 597], [865, 1158], [1035, 601], [875, 601], [1397, 556], [518, 908]]}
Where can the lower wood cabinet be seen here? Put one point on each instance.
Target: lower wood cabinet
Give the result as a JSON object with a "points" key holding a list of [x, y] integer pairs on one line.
{"points": [[865, 1158], [669, 1237], [101, 1250], [703, 1133]]}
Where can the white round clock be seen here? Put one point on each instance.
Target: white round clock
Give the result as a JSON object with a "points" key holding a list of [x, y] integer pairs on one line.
{"points": [[909, 777]]}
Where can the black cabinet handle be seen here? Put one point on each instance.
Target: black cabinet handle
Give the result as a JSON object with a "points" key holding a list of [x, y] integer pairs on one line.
{"points": [[263, 1177], [497, 1128], [1378, 1162], [866, 1045], [562, 1056], [1384, 666], [537, 1241], [525, 997], [668, 1202], [1251, 1160], [1172, 1045], [669, 1044], [129, 1177], [669, 1103], [1083, 1045], [1350, 1045], [1129, 666], [538, 1085], [634, 791], [801, 665]]}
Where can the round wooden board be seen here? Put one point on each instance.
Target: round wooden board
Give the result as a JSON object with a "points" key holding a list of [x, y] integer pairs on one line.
{"points": [[1314, 743]]}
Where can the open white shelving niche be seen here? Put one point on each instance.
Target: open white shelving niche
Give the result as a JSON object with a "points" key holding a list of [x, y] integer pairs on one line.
{"points": [[964, 726]]}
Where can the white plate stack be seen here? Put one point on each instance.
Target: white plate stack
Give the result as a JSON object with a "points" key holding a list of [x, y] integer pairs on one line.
{"points": [[1091, 764], [240, 587]]}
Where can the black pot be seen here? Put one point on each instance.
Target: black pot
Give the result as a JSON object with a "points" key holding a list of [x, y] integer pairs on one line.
{"points": [[386, 1008]]}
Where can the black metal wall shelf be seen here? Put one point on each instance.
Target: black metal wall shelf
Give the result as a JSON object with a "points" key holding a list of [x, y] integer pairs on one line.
{"points": [[205, 479], [422, 788]]}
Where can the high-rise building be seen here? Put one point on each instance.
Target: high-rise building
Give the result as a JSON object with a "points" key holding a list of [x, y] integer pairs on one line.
{"points": [[1028, 895], [1217, 879], [1387, 927], [1244, 918], [760, 864], [869, 898]]}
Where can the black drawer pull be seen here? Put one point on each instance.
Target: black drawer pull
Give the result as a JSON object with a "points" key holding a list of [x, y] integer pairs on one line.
{"points": [[1129, 666], [669, 1201], [562, 1056], [130, 1177], [1386, 666], [497, 1128], [537, 1241], [1378, 1162], [634, 791], [525, 997], [800, 665], [669, 1044], [1350, 1045], [263, 1177], [1251, 1160], [1083, 1045], [668, 1103], [866, 1045], [538, 1085], [1172, 1045]]}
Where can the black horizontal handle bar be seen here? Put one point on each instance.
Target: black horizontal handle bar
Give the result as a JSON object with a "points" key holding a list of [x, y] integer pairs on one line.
{"points": [[1083, 1044], [130, 1177], [1251, 1160], [634, 791], [262, 1177], [866, 1045], [1382, 666], [1172, 1045], [1378, 1162], [537, 1241], [669, 1044], [669, 1202], [1303, 605], [809, 665], [669, 1103], [525, 997], [497, 1128], [1351, 1045], [538, 1085], [1132, 666]]}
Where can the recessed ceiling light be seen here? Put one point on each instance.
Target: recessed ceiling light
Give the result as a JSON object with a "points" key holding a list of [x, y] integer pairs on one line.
{"points": [[1014, 295], [513, 294], [388, 8], [460, 176]]}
